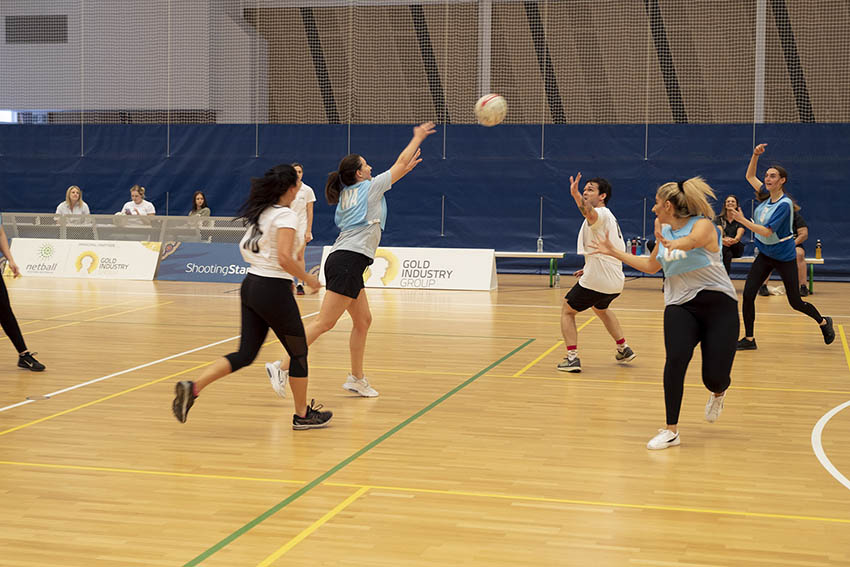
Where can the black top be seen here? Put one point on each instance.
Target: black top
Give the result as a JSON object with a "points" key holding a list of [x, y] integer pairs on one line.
{"points": [[799, 222], [730, 228]]}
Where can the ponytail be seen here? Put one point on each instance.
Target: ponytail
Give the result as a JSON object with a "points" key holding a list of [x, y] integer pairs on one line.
{"points": [[689, 198], [345, 175]]}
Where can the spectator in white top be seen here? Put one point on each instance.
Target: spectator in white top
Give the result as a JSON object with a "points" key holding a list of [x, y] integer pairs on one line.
{"points": [[138, 205], [73, 203], [302, 205]]}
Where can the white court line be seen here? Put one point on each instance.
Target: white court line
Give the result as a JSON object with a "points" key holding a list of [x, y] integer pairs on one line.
{"points": [[128, 370], [818, 447]]}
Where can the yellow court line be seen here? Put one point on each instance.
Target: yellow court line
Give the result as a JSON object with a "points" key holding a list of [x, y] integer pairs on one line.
{"points": [[316, 525], [658, 383], [152, 473], [469, 494], [103, 399], [559, 343], [844, 342], [94, 318], [77, 312]]}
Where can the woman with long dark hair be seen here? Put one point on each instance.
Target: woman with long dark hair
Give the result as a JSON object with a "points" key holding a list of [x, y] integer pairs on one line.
{"points": [[361, 213], [269, 246], [773, 226], [733, 232]]}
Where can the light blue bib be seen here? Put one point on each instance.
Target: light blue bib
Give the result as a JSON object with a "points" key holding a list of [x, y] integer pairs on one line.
{"points": [[675, 262], [763, 214], [353, 208]]}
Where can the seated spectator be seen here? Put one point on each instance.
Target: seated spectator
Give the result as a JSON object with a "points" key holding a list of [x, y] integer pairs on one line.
{"points": [[733, 232], [138, 205], [199, 205], [73, 203]]}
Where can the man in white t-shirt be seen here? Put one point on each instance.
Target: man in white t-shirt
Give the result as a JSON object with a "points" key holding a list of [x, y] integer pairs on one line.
{"points": [[303, 207], [601, 279]]}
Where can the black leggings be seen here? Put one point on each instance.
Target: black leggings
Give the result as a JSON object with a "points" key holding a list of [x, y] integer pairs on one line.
{"points": [[729, 252], [710, 319], [268, 302], [8, 321], [762, 266]]}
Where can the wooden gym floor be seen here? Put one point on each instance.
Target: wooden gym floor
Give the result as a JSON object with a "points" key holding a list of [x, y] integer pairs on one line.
{"points": [[477, 452]]}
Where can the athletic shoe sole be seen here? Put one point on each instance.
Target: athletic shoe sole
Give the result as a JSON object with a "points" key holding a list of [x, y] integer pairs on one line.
{"points": [[302, 426], [273, 371]]}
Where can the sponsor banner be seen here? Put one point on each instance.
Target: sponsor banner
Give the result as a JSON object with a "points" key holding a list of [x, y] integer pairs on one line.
{"points": [[93, 259], [430, 268], [210, 262]]}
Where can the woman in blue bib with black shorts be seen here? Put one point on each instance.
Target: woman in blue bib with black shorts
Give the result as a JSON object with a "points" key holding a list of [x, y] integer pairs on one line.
{"points": [[773, 226], [701, 306], [361, 213]]}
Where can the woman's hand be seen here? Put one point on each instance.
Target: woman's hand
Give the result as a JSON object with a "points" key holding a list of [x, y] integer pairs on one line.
{"points": [[423, 130], [728, 241], [603, 245], [578, 273], [13, 267], [308, 237], [311, 284], [758, 150], [738, 215]]}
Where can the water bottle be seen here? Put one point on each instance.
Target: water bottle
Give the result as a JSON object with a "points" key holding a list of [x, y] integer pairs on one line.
{"points": [[818, 252], [634, 246], [540, 244], [639, 246]]}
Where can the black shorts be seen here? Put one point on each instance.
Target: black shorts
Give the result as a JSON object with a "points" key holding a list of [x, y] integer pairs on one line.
{"points": [[802, 247], [344, 272], [580, 298]]}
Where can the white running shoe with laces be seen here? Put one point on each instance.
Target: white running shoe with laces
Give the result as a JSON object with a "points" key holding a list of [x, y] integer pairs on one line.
{"points": [[360, 386], [277, 377], [663, 440], [713, 407]]}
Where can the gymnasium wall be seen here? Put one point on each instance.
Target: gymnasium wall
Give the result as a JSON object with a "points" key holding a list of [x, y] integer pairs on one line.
{"points": [[492, 178]]}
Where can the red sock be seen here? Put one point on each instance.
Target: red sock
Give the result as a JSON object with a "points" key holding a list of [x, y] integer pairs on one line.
{"points": [[622, 341]]}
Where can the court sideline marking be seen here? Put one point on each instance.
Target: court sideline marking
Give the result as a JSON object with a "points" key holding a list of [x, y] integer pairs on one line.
{"points": [[345, 462], [817, 432], [128, 370], [550, 349]]}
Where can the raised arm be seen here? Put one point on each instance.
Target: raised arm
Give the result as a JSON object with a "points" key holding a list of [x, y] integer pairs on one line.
{"points": [[751, 168], [586, 210], [703, 235], [409, 157]]}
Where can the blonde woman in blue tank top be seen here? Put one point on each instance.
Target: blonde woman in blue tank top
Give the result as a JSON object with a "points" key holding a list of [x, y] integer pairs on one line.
{"points": [[701, 306]]}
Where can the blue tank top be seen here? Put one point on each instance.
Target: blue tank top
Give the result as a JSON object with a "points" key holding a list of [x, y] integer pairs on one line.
{"points": [[688, 273], [780, 244], [675, 262], [353, 207]]}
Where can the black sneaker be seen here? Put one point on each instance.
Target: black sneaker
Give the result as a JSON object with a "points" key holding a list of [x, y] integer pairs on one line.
{"points": [[804, 291], [763, 291], [747, 344], [299, 289], [828, 331], [313, 419], [27, 361], [570, 364], [184, 397]]}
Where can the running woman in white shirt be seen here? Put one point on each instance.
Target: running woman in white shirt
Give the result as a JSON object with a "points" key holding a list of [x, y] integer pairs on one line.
{"points": [[269, 247], [303, 207], [361, 214], [602, 276], [701, 306]]}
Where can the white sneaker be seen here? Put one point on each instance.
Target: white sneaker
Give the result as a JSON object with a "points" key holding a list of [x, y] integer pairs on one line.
{"points": [[277, 377], [360, 386], [664, 439], [713, 407]]}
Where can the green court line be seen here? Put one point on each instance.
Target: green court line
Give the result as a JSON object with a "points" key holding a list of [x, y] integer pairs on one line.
{"points": [[339, 466]]}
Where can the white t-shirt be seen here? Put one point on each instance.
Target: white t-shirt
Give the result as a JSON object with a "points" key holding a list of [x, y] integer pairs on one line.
{"points": [[602, 273], [144, 208], [299, 205], [81, 209], [264, 261]]}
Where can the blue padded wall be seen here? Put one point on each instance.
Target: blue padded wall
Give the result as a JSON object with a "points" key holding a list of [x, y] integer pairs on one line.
{"points": [[492, 178]]}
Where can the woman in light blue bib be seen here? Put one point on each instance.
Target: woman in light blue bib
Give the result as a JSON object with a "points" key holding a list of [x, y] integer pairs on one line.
{"points": [[701, 306], [773, 226]]}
